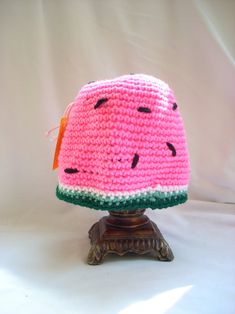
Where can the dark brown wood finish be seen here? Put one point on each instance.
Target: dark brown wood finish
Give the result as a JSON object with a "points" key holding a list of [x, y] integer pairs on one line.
{"points": [[127, 232]]}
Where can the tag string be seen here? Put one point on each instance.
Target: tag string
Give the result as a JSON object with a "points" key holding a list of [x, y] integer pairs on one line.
{"points": [[49, 132], [68, 109], [52, 130], [60, 134]]}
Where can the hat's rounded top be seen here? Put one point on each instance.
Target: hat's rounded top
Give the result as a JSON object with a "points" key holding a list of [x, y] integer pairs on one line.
{"points": [[124, 146]]}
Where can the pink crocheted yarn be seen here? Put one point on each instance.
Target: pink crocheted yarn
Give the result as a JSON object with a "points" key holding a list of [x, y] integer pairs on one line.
{"points": [[124, 146]]}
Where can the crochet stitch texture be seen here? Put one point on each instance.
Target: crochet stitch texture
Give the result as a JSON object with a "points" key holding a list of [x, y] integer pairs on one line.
{"points": [[124, 146]]}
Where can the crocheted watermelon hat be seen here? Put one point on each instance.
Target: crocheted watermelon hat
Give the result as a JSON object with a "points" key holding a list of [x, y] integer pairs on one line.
{"points": [[122, 146]]}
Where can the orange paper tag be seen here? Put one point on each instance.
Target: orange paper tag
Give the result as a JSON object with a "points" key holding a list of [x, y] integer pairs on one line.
{"points": [[63, 123]]}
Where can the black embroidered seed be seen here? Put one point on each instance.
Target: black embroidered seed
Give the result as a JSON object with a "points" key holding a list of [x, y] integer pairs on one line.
{"points": [[100, 102], [144, 109], [90, 82], [172, 148], [135, 161], [71, 170], [174, 106]]}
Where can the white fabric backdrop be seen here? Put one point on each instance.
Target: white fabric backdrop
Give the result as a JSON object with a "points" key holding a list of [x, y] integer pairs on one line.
{"points": [[49, 49]]}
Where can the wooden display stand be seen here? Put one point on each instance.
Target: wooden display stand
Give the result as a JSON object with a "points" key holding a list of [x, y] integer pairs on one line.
{"points": [[127, 232]]}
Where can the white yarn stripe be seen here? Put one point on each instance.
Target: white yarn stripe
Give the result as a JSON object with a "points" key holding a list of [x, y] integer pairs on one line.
{"points": [[159, 188]]}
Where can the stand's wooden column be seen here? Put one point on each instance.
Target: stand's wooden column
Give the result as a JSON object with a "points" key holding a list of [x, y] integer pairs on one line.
{"points": [[127, 231]]}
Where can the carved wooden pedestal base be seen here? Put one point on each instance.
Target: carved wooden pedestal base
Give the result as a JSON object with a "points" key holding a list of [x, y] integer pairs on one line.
{"points": [[127, 232]]}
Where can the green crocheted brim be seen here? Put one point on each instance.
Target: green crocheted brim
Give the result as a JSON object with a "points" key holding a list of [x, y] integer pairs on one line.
{"points": [[151, 199]]}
